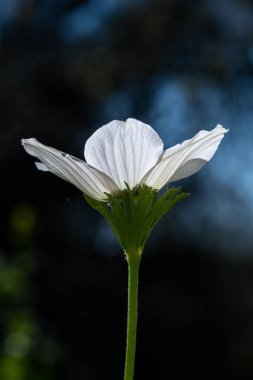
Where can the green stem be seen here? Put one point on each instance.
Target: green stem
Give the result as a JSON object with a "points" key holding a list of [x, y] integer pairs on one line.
{"points": [[133, 271]]}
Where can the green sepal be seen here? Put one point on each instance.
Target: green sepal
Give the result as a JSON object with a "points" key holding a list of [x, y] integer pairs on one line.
{"points": [[133, 214]]}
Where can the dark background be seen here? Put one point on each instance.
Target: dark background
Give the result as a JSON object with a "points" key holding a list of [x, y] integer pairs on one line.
{"points": [[66, 68]]}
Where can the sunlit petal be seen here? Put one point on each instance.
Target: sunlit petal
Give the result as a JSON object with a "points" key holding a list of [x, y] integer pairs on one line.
{"points": [[89, 180], [185, 159], [42, 167], [125, 151]]}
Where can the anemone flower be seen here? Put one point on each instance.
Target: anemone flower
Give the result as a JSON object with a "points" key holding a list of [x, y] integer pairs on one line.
{"points": [[127, 154], [125, 166]]}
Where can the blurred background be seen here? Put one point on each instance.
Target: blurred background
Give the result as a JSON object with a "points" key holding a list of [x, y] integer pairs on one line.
{"points": [[66, 68]]}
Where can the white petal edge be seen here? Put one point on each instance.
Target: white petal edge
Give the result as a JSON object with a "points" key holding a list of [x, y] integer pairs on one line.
{"points": [[41, 167], [184, 160], [87, 179], [125, 151]]}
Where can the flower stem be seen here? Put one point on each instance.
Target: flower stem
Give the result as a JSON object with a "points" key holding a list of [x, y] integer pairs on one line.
{"points": [[133, 272]]}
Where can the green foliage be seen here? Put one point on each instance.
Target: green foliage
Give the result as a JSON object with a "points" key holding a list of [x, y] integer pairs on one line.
{"points": [[133, 214]]}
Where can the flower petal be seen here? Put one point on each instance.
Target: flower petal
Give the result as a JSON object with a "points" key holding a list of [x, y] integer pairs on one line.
{"points": [[41, 167], [125, 151], [185, 159], [87, 179]]}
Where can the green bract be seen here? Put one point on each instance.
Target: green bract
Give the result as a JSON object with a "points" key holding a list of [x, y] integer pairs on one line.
{"points": [[133, 214]]}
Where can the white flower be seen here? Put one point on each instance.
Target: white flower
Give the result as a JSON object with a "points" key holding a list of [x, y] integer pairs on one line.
{"points": [[131, 153]]}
